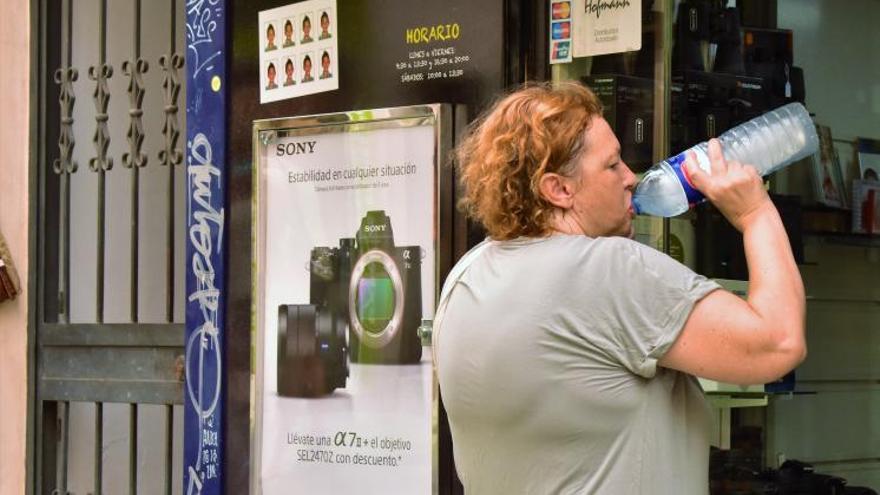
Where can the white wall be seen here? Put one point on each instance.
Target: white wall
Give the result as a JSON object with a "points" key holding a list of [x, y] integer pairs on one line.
{"points": [[14, 97]]}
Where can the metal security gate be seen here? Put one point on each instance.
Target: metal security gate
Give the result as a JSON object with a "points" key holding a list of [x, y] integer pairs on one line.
{"points": [[109, 267]]}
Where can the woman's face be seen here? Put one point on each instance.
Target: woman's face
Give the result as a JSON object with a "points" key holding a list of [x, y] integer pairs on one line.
{"points": [[289, 70], [288, 31], [270, 35], [307, 27], [325, 23], [325, 63], [603, 185], [307, 67], [271, 74]]}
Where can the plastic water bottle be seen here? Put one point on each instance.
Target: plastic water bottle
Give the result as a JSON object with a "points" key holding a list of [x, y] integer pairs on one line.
{"points": [[769, 143]]}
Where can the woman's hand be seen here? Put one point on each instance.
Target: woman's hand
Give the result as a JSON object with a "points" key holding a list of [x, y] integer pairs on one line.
{"points": [[737, 190]]}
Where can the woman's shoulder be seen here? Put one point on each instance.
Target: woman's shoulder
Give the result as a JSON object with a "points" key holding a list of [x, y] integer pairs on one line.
{"points": [[570, 250], [590, 244], [588, 252]]}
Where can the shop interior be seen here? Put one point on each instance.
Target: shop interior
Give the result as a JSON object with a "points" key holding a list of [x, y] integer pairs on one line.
{"points": [[705, 66]]}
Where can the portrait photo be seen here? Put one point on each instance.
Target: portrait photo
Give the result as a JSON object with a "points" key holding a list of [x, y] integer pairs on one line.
{"points": [[306, 27], [289, 36], [326, 64], [289, 72], [325, 25], [269, 40], [270, 75], [307, 63]]}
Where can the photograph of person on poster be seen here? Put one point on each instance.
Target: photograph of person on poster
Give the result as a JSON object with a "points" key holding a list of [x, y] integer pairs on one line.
{"points": [[270, 38], [288, 72], [288, 34], [325, 26], [306, 29], [270, 75], [307, 69], [325, 66], [566, 352]]}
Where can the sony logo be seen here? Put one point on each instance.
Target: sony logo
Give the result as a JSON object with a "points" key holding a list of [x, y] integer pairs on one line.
{"points": [[374, 228], [300, 148]]}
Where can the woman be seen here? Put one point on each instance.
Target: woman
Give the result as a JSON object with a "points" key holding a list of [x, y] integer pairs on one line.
{"points": [[565, 351]]}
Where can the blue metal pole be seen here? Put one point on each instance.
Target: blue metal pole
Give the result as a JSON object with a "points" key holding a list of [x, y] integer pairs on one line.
{"points": [[205, 258]]}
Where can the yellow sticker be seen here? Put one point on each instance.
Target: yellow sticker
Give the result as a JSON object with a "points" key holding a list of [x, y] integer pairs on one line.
{"points": [[215, 83]]}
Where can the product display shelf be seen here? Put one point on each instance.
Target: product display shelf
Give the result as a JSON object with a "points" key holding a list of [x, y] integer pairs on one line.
{"points": [[826, 224]]}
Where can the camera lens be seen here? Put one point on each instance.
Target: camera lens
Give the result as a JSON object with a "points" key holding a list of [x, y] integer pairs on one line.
{"points": [[312, 352]]}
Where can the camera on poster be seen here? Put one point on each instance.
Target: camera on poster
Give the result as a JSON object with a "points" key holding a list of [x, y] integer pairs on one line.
{"points": [[367, 286]]}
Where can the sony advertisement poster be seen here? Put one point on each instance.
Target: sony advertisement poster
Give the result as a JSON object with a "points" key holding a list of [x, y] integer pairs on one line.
{"points": [[345, 273]]}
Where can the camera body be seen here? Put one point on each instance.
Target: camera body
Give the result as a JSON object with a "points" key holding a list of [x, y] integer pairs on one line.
{"points": [[376, 287], [365, 304], [384, 289]]}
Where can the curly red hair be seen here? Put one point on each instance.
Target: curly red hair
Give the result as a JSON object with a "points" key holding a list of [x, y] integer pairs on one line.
{"points": [[536, 130]]}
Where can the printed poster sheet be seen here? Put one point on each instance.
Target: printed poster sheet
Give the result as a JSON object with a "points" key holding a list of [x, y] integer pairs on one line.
{"points": [[348, 273], [606, 26], [299, 50]]}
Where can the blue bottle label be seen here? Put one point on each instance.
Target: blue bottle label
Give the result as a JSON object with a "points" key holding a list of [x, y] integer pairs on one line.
{"points": [[677, 163]]}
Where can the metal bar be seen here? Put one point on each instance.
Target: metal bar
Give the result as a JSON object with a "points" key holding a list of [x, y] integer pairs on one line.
{"points": [[97, 389], [843, 300], [99, 446], [857, 460], [136, 32], [132, 448], [662, 92], [99, 299], [135, 169], [173, 24], [101, 164], [112, 335], [839, 381], [102, 33], [37, 103], [135, 252], [169, 443], [65, 446], [64, 246], [64, 235], [47, 466], [169, 250]]}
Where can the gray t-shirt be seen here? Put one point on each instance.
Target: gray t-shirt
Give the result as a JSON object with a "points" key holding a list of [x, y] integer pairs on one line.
{"points": [[547, 362]]}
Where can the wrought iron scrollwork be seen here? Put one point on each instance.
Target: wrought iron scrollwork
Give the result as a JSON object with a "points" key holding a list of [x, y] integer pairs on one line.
{"points": [[135, 70], [171, 129], [100, 74], [64, 164]]}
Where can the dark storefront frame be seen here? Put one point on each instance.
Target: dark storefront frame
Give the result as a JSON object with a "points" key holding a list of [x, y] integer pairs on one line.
{"points": [[521, 56]]}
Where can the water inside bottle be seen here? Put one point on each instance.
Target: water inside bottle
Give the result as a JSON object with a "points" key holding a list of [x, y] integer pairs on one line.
{"points": [[659, 193], [768, 142]]}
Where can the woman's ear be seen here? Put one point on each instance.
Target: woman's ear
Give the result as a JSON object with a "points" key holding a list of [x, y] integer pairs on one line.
{"points": [[557, 190]]}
